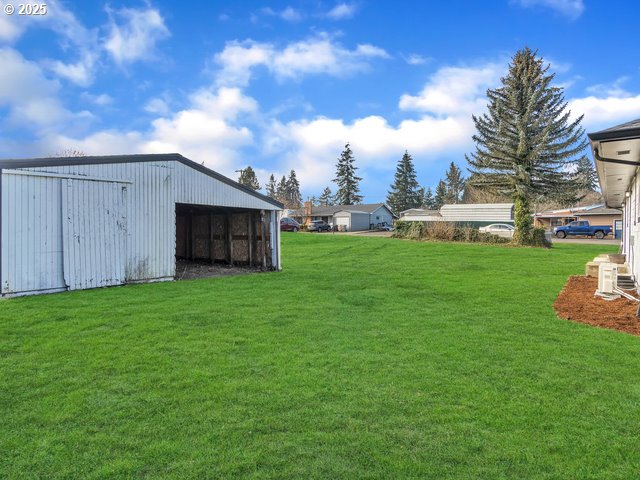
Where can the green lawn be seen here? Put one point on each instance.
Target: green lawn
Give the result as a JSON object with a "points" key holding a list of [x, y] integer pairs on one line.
{"points": [[364, 358]]}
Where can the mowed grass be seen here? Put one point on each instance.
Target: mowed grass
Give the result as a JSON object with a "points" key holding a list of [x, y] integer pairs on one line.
{"points": [[364, 358]]}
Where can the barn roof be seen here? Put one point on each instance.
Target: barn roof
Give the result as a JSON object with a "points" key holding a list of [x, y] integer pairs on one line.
{"points": [[151, 157]]}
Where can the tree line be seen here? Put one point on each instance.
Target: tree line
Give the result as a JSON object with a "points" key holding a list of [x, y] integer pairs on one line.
{"points": [[528, 150]]}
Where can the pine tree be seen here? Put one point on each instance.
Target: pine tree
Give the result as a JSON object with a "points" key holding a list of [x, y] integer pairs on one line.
{"points": [[405, 190], [272, 187], [526, 141], [294, 198], [347, 180], [248, 178], [428, 201], [281, 191], [455, 184], [441, 195], [586, 176], [326, 198]]}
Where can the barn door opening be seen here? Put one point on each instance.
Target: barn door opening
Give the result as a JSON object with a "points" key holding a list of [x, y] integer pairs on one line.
{"points": [[223, 236], [94, 233]]}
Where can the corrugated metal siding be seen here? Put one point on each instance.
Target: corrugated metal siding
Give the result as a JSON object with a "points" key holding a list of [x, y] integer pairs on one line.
{"points": [[32, 252], [481, 212], [195, 188], [93, 233], [31, 234]]}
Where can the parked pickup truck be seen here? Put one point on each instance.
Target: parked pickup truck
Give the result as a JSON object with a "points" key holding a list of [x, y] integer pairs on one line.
{"points": [[582, 228]]}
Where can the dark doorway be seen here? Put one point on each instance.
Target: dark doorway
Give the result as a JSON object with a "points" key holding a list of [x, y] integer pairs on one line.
{"points": [[223, 235]]}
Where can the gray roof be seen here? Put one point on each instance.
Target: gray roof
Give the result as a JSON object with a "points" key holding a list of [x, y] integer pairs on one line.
{"points": [[152, 157], [420, 211], [328, 210], [628, 129], [600, 211]]}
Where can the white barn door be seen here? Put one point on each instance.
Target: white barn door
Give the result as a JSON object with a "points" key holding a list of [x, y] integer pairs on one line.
{"points": [[94, 233]]}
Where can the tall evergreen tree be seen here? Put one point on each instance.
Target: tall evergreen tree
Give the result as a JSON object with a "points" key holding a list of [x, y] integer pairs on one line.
{"points": [[586, 176], [294, 198], [526, 141], [455, 184], [281, 191], [248, 178], [272, 187], [347, 180], [441, 195], [405, 190], [326, 198], [428, 201]]}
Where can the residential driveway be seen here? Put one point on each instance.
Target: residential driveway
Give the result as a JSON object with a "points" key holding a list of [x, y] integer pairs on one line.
{"points": [[586, 241]]}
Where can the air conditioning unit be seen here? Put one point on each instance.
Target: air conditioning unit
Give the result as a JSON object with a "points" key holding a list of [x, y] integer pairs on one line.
{"points": [[607, 278]]}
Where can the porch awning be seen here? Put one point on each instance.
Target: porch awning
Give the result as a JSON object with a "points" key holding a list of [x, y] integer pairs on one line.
{"points": [[616, 151]]}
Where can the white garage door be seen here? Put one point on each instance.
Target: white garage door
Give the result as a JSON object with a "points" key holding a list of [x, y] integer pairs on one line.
{"points": [[342, 221]]}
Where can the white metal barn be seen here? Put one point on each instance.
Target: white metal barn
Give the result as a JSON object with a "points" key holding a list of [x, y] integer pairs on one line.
{"points": [[86, 222]]}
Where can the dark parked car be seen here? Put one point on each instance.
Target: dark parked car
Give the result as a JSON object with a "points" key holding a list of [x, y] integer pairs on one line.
{"points": [[289, 225], [319, 226]]}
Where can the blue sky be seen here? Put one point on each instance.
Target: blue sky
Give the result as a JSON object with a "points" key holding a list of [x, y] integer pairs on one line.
{"points": [[282, 85]]}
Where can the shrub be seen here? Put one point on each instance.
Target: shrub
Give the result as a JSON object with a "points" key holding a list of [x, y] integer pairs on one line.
{"points": [[444, 231], [538, 238]]}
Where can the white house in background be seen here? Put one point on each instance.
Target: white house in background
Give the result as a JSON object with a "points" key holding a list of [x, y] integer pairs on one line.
{"points": [[617, 154], [474, 214], [351, 217]]}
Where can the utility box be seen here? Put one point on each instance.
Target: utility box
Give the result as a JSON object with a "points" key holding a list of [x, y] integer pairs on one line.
{"points": [[607, 278]]}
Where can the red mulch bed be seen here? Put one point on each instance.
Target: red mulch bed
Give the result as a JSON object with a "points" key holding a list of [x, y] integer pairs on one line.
{"points": [[578, 303]]}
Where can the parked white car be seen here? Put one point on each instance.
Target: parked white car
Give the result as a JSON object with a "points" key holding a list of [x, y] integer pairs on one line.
{"points": [[500, 229]]}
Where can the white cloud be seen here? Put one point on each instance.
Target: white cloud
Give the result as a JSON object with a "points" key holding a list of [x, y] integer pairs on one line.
{"points": [[238, 59], [318, 55], [73, 37], [342, 11], [136, 36], [80, 73], [29, 95], [312, 146], [290, 14], [603, 112], [569, 8], [157, 106], [208, 131], [614, 89], [415, 59], [10, 30], [101, 100], [455, 90]]}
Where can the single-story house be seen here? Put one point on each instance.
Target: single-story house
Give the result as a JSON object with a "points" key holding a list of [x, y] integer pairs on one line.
{"points": [[420, 215], [617, 156], [478, 214], [352, 217], [595, 214], [471, 214], [86, 222]]}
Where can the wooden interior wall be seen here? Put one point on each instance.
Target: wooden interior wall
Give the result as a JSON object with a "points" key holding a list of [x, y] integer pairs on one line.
{"points": [[232, 236]]}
